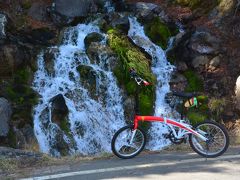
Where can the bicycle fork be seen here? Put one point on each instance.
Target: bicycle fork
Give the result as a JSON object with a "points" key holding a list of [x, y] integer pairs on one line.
{"points": [[132, 136]]}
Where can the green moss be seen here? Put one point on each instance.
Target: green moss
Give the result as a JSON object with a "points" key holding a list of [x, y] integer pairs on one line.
{"points": [[22, 76], [26, 4], [65, 126], [195, 116], [158, 32], [194, 82], [132, 57]]}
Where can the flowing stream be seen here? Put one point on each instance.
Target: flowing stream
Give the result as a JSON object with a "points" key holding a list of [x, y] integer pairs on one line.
{"points": [[92, 122], [162, 70]]}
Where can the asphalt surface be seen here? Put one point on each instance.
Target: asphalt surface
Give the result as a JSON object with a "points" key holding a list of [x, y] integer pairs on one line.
{"points": [[154, 166]]}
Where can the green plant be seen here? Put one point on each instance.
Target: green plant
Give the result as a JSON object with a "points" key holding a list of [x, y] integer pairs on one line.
{"points": [[158, 32], [194, 82], [217, 106]]}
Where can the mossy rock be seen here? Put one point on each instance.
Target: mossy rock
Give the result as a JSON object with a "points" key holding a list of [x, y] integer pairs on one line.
{"points": [[92, 37], [158, 32], [195, 83], [132, 57]]}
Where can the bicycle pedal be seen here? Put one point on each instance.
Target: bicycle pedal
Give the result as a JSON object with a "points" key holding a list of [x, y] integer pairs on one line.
{"points": [[167, 136]]}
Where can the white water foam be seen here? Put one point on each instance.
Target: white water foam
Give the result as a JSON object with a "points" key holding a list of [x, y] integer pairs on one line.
{"points": [[162, 70], [92, 122]]}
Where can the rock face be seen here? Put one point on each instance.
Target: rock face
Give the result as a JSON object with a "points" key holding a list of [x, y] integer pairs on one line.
{"points": [[204, 43], [73, 8], [5, 115]]}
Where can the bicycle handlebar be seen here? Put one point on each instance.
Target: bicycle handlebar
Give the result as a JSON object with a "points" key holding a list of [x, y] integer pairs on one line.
{"points": [[137, 78]]}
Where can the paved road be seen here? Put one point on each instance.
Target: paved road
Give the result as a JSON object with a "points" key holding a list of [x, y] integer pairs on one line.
{"points": [[165, 165]]}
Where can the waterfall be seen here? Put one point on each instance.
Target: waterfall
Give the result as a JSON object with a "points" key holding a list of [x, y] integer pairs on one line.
{"points": [[162, 70], [92, 121]]}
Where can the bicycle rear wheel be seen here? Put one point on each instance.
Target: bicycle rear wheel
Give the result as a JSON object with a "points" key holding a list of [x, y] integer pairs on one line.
{"points": [[217, 143], [121, 145]]}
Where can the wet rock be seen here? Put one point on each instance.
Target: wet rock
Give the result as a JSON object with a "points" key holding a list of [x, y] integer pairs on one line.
{"points": [[114, 20], [59, 104], [49, 57], [3, 23], [58, 144], [103, 56], [200, 61], [204, 43], [88, 78], [129, 109], [92, 37], [59, 110], [121, 23], [5, 115]]}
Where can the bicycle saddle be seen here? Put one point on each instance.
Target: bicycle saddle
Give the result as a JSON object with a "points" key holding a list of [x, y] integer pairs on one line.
{"points": [[185, 95]]}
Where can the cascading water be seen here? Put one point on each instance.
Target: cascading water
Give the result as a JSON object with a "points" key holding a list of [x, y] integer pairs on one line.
{"points": [[92, 120], [162, 70]]}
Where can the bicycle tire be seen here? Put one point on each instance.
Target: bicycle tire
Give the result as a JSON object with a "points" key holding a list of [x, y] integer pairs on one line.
{"points": [[208, 147], [125, 150]]}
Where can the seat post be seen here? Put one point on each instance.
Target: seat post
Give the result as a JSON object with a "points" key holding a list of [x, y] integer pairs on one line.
{"points": [[137, 109]]}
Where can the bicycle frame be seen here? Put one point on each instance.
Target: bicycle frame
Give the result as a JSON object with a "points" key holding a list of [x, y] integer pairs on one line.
{"points": [[185, 128]]}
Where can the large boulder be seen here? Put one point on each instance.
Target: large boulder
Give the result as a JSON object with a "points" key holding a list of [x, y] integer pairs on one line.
{"points": [[59, 104], [65, 12], [12, 58], [38, 12], [74, 8], [200, 61], [59, 109], [5, 115], [92, 37]]}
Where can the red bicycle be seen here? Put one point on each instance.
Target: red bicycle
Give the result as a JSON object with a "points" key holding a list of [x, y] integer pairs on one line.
{"points": [[208, 139]]}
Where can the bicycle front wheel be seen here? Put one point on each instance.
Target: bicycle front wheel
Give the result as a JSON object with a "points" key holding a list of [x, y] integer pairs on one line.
{"points": [[125, 144], [217, 143]]}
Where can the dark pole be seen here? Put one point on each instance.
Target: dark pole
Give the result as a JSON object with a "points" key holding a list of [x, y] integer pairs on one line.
{"points": [[137, 110]]}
